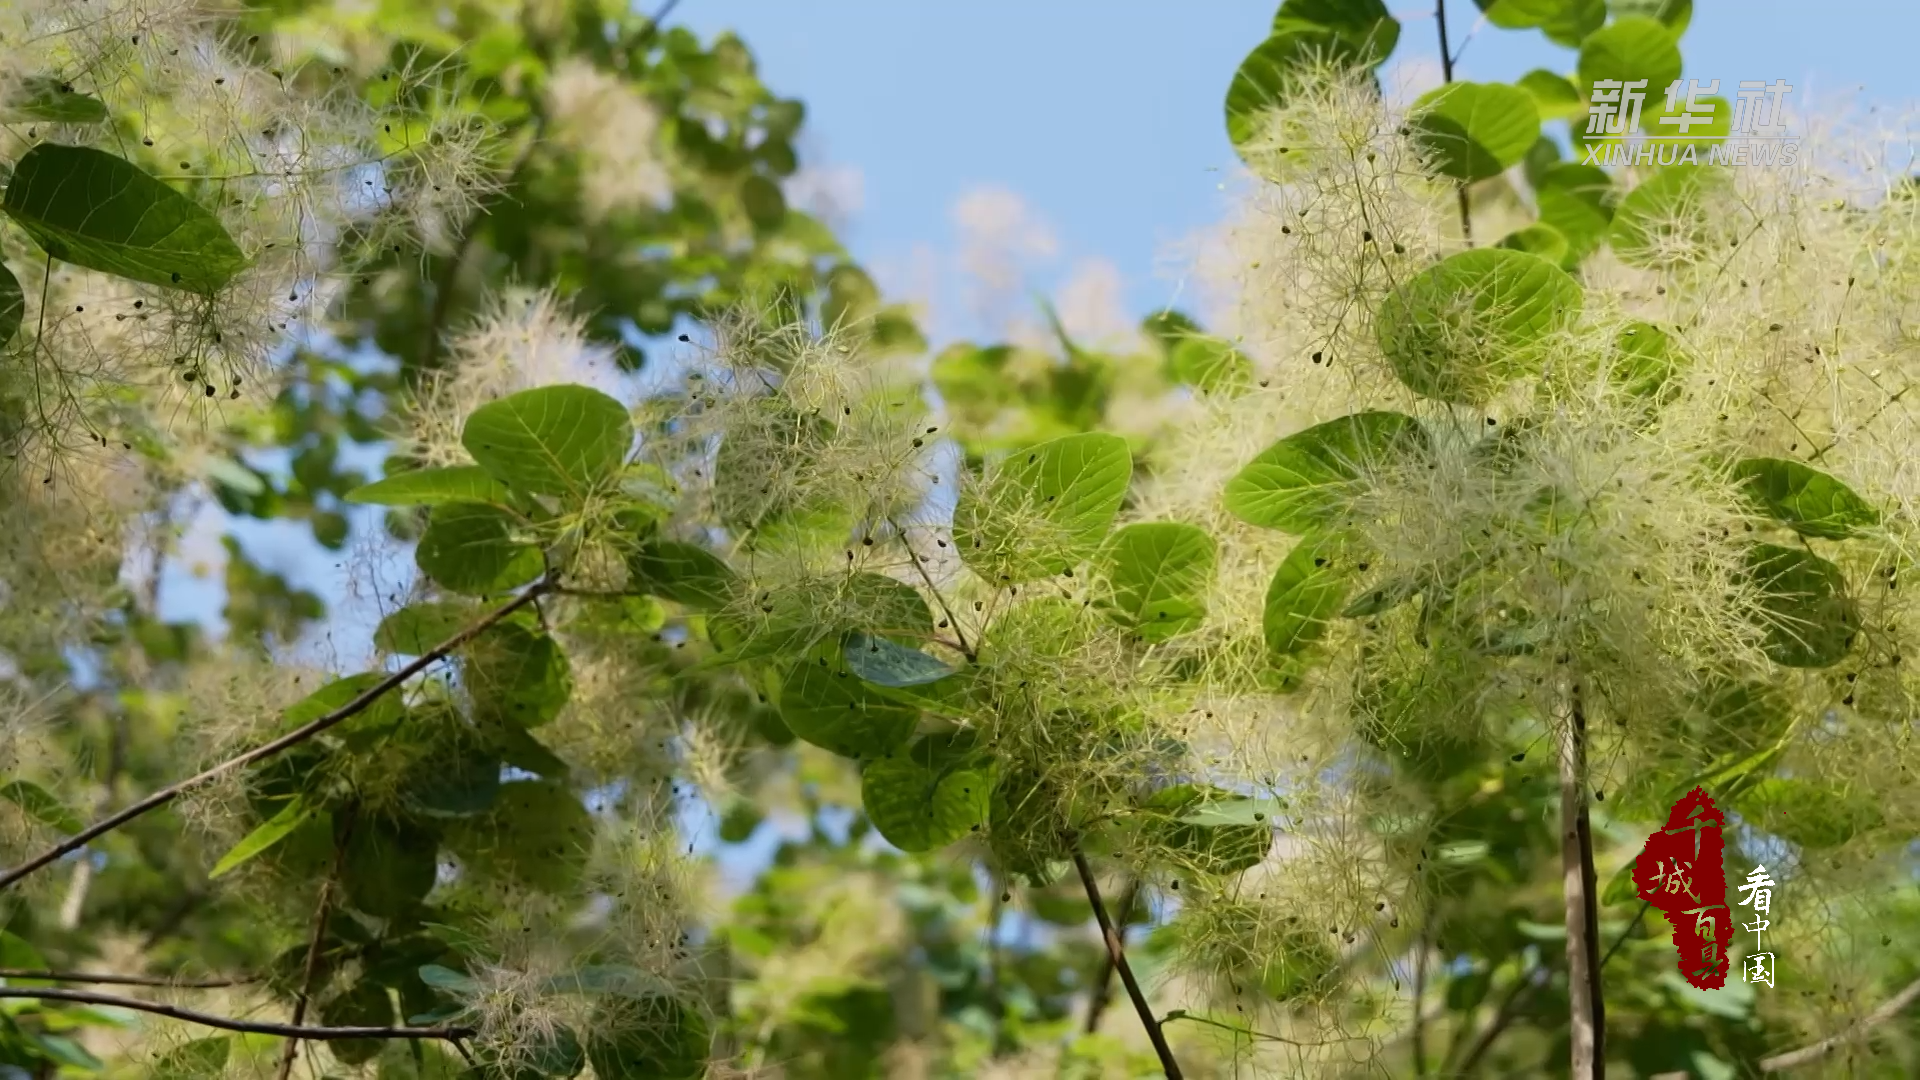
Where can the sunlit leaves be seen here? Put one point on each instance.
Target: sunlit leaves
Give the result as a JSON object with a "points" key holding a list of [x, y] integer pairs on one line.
{"points": [[1307, 34], [1471, 131], [291, 816], [473, 548], [554, 440], [1537, 239], [1577, 200], [1307, 593], [1663, 222], [431, 487], [1311, 478], [1153, 578], [1807, 500], [1810, 620], [825, 703], [1044, 509], [92, 209], [1634, 48], [1553, 96], [934, 793], [1210, 365], [1462, 329]]}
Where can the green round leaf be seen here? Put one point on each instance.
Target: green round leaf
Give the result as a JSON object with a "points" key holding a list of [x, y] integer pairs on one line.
{"points": [[1210, 364], [1675, 15], [1553, 95], [470, 548], [1631, 49], [1307, 593], [1363, 24], [1577, 201], [13, 305], [1462, 329], [825, 703], [935, 793], [1537, 239], [555, 440], [1810, 619], [1472, 131], [683, 573], [1043, 510], [418, 629], [431, 487], [1272, 70], [1809, 501], [651, 1037], [364, 1004], [1664, 221], [516, 675], [93, 209], [1154, 578], [1312, 477], [764, 203]]}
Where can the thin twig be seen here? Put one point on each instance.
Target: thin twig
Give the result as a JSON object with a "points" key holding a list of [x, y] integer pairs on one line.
{"points": [[1625, 934], [1118, 954], [1103, 982], [108, 979], [1892, 1008], [1586, 1004], [229, 1023], [311, 972], [1419, 995], [266, 750], [1446, 72]]}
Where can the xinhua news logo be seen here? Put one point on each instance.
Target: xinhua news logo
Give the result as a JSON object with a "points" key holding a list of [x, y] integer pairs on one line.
{"points": [[1694, 127]]}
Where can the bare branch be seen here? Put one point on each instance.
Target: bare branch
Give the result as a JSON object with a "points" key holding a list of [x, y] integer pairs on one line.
{"points": [[1116, 952], [1892, 1008], [229, 1023], [292, 738], [101, 978]]}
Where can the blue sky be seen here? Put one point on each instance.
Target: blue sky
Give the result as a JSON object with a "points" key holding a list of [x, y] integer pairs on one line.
{"points": [[1105, 116]]}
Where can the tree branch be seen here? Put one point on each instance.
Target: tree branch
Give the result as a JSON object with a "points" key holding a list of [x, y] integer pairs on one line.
{"points": [[1103, 982], [266, 750], [1446, 72], [1509, 1007], [229, 1023], [1117, 953], [315, 946], [109, 979], [1587, 1010], [1887, 1011]]}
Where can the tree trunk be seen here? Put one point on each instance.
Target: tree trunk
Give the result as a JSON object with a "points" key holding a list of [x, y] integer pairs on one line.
{"points": [[1586, 1004]]}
